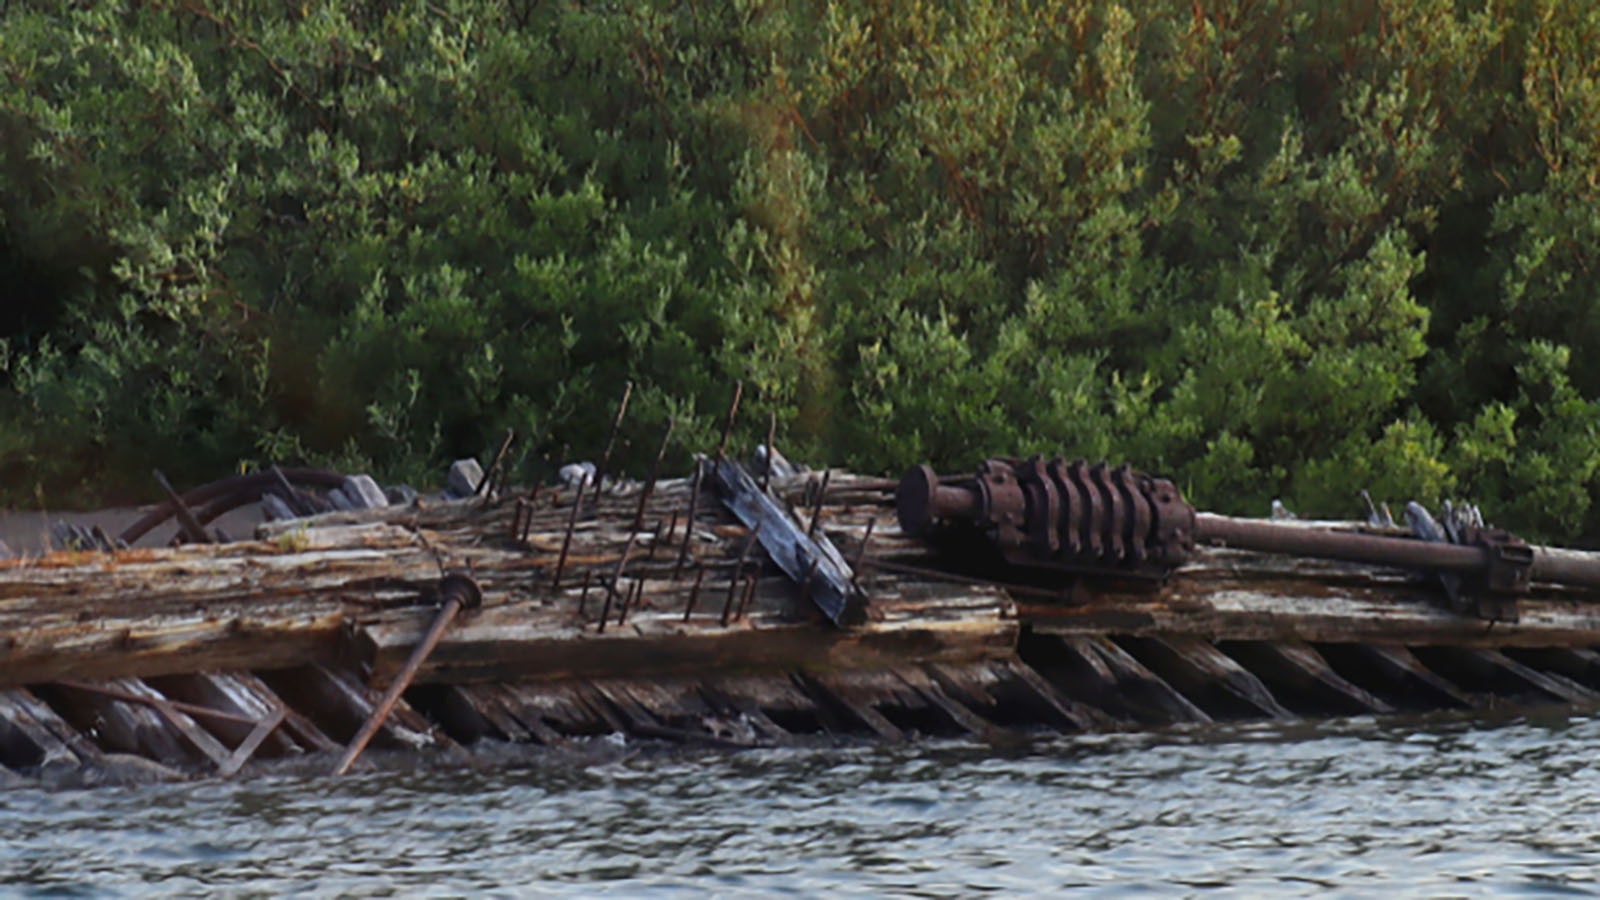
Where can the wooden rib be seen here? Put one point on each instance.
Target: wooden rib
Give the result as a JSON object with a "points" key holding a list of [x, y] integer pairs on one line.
{"points": [[1294, 668], [1493, 668], [836, 691], [1394, 672], [1212, 678], [1105, 675]]}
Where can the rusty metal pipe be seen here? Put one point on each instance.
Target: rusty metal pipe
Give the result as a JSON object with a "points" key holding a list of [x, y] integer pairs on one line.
{"points": [[1403, 553], [457, 592]]}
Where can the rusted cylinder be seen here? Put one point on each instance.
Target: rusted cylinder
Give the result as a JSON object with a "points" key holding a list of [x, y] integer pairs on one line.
{"points": [[457, 592], [921, 499], [1348, 546], [1573, 568]]}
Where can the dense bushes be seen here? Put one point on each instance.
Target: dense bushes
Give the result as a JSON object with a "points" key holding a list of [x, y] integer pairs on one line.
{"points": [[1274, 247]]}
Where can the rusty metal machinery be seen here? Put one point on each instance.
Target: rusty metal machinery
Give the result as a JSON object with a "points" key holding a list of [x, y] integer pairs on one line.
{"points": [[1093, 519]]}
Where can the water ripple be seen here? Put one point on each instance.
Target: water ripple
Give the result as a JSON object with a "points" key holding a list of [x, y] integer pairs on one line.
{"points": [[1429, 807]]}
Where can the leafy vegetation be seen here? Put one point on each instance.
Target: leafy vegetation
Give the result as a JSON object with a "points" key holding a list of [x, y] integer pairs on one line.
{"points": [[1272, 247]]}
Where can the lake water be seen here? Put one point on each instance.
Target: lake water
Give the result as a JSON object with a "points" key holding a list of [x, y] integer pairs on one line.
{"points": [[1431, 807]]}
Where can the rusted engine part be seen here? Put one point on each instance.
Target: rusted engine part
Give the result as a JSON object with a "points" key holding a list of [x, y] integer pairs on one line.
{"points": [[1069, 515], [1093, 519]]}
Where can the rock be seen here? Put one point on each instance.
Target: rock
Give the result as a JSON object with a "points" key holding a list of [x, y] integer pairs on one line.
{"points": [[781, 467], [340, 501], [576, 473], [275, 508], [401, 495], [5, 551], [363, 492], [465, 475]]}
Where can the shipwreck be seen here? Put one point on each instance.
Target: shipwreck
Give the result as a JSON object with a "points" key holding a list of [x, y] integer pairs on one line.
{"points": [[748, 606]]}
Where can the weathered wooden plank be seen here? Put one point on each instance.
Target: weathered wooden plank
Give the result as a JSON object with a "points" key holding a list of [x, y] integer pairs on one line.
{"points": [[809, 559], [518, 642], [53, 741], [1340, 604]]}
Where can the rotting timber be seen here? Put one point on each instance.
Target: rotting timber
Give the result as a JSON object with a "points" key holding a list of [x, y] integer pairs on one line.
{"points": [[713, 611]]}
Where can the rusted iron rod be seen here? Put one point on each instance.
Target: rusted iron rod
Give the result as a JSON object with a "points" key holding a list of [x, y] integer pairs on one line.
{"points": [[738, 569], [457, 592], [816, 506], [688, 529], [130, 697], [611, 438], [494, 464], [694, 592], [655, 473], [566, 540], [733, 413]]}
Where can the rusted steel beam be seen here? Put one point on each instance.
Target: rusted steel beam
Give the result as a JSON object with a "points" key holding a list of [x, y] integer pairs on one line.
{"points": [[457, 592]]}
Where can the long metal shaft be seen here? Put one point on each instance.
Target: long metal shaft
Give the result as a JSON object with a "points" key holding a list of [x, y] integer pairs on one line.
{"points": [[458, 592]]}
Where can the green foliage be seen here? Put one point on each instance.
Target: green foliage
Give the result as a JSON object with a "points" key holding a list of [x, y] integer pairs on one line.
{"points": [[1269, 247]]}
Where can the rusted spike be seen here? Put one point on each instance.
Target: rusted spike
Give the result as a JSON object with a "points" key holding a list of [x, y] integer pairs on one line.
{"points": [[655, 540], [861, 552], [566, 541], [816, 506], [727, 605], [605, 608], [630, 600], [655, 473], [457, 592], [611, 438], [766, 462], [583, 596], [694, 592], [672, 529], [738, 569], [494, 464], [749, 592], [733, 412], [616, 578], [688, 531], [527, 520], [517, 516], [192, 528]]}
